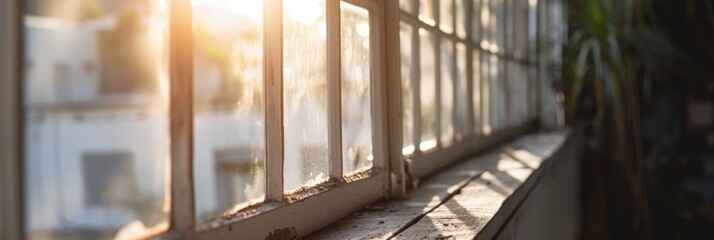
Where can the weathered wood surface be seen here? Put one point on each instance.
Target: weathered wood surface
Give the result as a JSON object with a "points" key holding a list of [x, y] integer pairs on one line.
{"points": [[456, 203]]}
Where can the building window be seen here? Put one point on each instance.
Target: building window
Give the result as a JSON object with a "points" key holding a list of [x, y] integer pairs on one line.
{"points": [[228, 109], [109, 180], [239, 177]]}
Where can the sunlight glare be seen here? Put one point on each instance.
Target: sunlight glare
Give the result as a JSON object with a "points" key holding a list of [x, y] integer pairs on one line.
{"points": [[532, 3], [304, 11], [161, 4], [253, 9]]}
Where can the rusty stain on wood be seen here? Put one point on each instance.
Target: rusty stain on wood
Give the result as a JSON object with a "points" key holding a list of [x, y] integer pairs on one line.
{"points": [[283, 234]]}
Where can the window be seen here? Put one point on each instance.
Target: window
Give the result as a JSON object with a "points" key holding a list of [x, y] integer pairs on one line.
{"points": [[356, 89], [145, 119], [239, 178], [228, 106], [109, 180], [305, 93], [77, 185], [480, 87]]}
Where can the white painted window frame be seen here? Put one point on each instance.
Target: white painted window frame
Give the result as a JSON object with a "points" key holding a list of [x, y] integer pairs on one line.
{"points": [[11, 200], [388, 178], [323, 206], [422, 163]]}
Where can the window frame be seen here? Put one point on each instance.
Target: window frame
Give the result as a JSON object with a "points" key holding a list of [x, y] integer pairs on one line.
{"points": [[11, 174], [389, 176], [421, 163], [338, 196], [276, 213]]}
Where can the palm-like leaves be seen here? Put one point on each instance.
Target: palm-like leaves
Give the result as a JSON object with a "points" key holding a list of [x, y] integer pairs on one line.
{"points": [[615, 50]]}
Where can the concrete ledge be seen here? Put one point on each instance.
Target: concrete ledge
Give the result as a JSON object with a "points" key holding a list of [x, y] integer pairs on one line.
{"points": [[526, 188]]}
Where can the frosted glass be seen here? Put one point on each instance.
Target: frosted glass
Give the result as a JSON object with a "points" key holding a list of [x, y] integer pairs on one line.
{"points": [[476, 65], [305, 94], [356, 89], [447, 92], [461, 10], [446, 15], [462, 111], [406, 5], [427, 89], [228, 113], [96, 119], [426, 11], [405, 45]]}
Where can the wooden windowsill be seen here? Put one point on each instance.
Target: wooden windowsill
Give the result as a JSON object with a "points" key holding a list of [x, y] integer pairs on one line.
{"points": [[473, 198]]}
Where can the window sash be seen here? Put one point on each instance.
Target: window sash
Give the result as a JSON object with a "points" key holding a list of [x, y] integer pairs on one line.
{"points": [[421, 161], [386, 176], [274, 88], [11, 175], [370, 188]]}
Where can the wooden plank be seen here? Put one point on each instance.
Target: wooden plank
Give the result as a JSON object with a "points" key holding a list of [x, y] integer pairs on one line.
{"points": [[320, 210], [465, 215], [489, 200], [273, 77], [334, 91], [11, 170], [458, 201], [181, 214], [384, 219]]}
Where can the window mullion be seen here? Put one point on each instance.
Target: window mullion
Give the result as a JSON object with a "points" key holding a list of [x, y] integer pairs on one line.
{"points": [[392, 57], [334, 80], [471, 111], [12, 217], [181, 117], [273, 75], [416, 83]]}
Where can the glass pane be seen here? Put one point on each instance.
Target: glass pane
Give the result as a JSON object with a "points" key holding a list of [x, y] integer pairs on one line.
{"points": [[500, 27], [228, 118], [446, 15], [522, 82], [356, 89], [485, 32], [508, 20], [511, 90], [490, 23], [533, 89], [486, 95], [532, 29], [476, 21], [406, 49], [461, 11], [427, 89], [476, 65], [96, 130], [462, 111], [494, 90], [447, 92], [499, 95], [426, 11], [305, 93], [521, 29], [406, 5]]}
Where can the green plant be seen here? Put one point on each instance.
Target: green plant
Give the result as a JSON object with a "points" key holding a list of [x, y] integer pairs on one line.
{"points": [[615, 50]]}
